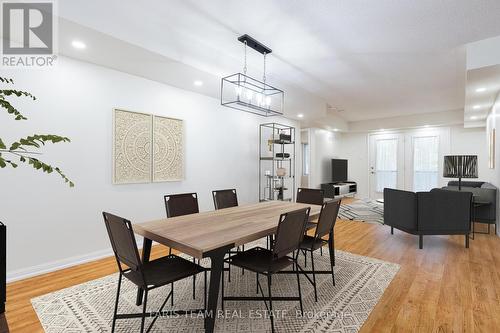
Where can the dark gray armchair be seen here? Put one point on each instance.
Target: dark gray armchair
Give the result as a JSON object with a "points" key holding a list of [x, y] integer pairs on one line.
{"points": [[486, 194], [438, 212]]}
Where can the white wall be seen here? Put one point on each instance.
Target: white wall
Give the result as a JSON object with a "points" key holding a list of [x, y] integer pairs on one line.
{"points": [[493, 122], [483, 53], [472, 141], [50, 224], [354, 147], [325, 145]]}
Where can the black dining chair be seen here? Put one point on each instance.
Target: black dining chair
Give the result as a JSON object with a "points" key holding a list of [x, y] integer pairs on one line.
{"points": [[179, 205], [310, 196], [289, 235], [326, 225], [225, 199], [148, 276]]}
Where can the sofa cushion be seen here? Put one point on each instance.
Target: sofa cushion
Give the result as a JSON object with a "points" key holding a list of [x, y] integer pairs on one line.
{"points": [[466, 183], [443, 212]]}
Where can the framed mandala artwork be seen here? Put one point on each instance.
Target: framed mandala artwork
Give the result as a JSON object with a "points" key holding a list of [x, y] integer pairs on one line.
{"points": [[146, 148], [168, 152]]}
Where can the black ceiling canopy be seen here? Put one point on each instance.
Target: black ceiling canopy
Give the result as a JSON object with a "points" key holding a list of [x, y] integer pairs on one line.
{"points": [[254, 44]]}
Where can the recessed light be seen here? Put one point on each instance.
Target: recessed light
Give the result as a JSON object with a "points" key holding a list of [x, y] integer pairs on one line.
{"points": [[426, 126], [77, 44], [473, 118], [198, 83], [482, 89], [300, 115], [475, 107], [335, 129]]}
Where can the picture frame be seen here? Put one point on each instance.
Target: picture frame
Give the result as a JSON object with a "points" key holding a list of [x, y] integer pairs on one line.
{"points": [[146, 148]]}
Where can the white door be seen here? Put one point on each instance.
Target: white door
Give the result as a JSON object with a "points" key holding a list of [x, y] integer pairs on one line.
{"points": [[423, 170], [386, 163]]}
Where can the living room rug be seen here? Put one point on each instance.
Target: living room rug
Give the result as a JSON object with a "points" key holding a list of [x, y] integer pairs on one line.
{"points": [[363, 211], [360, 282]]}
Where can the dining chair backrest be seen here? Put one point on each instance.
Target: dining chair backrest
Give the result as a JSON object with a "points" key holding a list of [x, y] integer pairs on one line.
{"points": [[181, 204], [327, 218], [310, 196], [290, 232], [122, 239], [225, 199]]}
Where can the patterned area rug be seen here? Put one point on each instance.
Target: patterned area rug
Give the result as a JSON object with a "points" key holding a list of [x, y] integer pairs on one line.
{"points": [[363, 211], [360, 282]]}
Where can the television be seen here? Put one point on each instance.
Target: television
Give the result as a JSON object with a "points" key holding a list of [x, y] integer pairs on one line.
{"points": [[339, 171]]}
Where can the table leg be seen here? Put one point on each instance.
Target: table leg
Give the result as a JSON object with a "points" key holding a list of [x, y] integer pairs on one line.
{"points": [[216, 269], [146, 252]]}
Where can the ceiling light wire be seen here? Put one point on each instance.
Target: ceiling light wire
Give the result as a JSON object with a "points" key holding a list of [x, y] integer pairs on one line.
{"points": [[264, 75], [245, 58]]}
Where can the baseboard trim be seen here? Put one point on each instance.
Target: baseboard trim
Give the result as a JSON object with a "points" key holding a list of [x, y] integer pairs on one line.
{"points": [[53, 266], [49, 267]]}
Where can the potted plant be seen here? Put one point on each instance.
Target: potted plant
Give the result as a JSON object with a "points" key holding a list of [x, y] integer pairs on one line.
{"points": [[24, 150]]}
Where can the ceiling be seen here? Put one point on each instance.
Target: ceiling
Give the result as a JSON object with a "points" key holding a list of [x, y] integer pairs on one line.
{"points": [[483, 87], [367, 59]]}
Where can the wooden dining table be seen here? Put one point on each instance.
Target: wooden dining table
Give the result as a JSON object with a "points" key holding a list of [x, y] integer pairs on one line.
{"points": [[212, 234]]}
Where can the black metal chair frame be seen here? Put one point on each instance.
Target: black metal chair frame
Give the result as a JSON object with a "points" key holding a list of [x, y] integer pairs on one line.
{"points": [[303, 196], [218, 205], [324, 227], [170, 214], [135, 264], [311, 196], [269, 273]]}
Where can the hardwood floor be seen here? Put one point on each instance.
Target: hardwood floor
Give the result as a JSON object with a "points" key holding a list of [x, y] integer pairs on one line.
{"points": [[442, 288]]}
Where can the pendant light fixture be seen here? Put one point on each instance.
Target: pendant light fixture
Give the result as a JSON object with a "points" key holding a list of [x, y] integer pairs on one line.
{"points": [[242, 92]]}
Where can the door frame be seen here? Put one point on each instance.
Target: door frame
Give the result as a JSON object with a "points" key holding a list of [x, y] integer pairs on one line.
{"points": [[400, 181], [444, 134]]}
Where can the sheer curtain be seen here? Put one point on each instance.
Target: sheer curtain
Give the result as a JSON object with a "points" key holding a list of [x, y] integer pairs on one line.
{"points": [[425, 163], [386, 164]]}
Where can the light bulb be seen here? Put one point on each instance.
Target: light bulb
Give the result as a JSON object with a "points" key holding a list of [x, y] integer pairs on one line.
{"points": [[249, 94], [268, 100], [259, 99], [238, 90]]}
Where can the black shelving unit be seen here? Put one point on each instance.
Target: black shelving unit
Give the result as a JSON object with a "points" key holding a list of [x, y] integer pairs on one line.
{"points": [[276, 139], [3, 268]]}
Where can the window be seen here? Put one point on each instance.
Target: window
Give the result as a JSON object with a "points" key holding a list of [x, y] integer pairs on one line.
{"points": [[305, 159], [425, 163], [386, 164]]}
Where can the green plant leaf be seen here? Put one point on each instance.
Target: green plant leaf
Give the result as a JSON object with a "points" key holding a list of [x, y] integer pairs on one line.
{"points": [[37, 140], [4, 162], [11, 110], [18, 93], [19, 148], [6, 80]]}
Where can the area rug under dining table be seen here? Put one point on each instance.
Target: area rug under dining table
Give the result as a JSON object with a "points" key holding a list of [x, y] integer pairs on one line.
{"points": [[360, 282]]}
